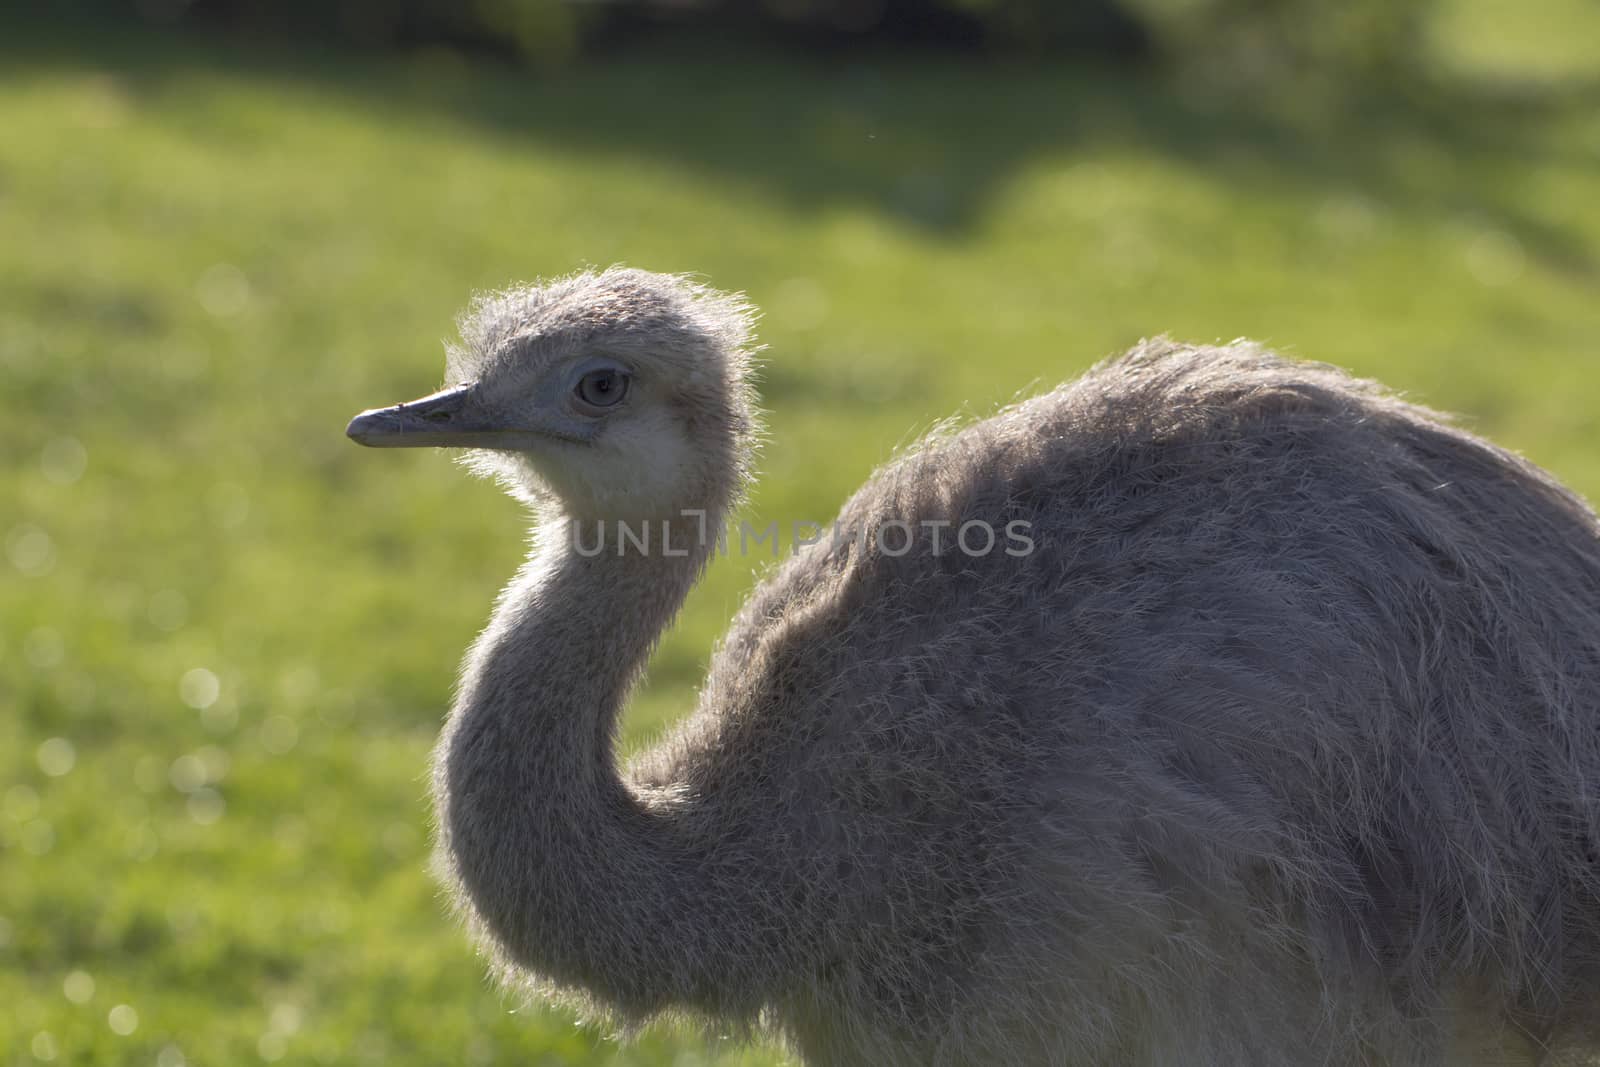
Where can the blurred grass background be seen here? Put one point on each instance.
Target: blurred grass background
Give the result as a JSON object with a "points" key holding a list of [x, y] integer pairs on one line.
{"points": [[227, 635]]}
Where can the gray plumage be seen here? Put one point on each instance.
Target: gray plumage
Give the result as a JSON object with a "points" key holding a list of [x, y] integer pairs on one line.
{"points": [[1280, 746]]}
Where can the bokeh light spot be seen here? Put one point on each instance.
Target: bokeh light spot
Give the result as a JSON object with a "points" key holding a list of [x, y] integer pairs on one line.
{"points": [[223, 290], [215, 760], [1495, 258], [230, 505], [143, 842], [38, 838], [56, 757], [279, 734], [290, 832], [206, 806], [63, 460], [1346, 217], [299, 685], [30, 550], [43, 1046], [22, 803], [43, 648], [220, 718], [168, 609], [285, 1018], [187, 773], [78, 987], [122, 1019], [801, 303], [199, 688]]}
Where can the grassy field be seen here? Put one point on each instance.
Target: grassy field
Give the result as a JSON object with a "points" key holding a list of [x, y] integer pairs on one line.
{"points": [[227, 635]]}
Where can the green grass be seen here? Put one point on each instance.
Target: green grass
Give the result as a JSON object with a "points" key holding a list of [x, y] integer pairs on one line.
{"points": [[212, 254]]}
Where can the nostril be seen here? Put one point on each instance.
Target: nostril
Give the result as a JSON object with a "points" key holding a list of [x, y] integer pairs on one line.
{"points": [[437, 416]]}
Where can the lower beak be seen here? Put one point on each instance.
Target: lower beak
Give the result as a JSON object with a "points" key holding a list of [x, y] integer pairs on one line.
{"points": [[448, 418]]}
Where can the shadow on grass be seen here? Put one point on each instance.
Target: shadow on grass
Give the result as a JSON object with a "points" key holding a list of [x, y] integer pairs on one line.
{"points": [[922, 140]]}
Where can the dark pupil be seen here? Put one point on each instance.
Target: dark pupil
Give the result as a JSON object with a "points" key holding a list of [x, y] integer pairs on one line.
{"points": [[601, 388]]}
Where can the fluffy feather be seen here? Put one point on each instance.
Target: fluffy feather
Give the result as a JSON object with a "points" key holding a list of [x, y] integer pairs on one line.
{"points": [[1281, 746]]}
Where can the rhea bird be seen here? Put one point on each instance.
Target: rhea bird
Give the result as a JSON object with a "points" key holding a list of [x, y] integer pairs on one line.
{"points": [[1279, 742]]}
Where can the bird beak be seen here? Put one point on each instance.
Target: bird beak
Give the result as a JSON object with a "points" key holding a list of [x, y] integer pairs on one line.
{"points": [[448, 418]]}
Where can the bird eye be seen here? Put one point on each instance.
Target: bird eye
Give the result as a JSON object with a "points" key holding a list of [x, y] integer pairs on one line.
{"points": [[602, 388]]}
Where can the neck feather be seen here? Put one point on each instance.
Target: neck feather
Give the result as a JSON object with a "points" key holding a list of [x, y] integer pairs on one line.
{"points": [[564, 869]]}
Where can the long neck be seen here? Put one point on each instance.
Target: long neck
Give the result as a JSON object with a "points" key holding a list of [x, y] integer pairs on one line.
{"points": [[569, 872]]}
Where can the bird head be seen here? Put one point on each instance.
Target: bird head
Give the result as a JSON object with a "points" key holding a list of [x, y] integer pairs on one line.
{"points": [[619, 393]]}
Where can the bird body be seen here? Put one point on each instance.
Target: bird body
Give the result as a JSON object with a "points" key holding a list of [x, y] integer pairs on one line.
{"points": [[1264, 730]]}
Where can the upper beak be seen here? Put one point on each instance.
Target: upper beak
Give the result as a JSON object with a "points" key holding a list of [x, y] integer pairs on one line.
{"points": [[450, 417]]}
